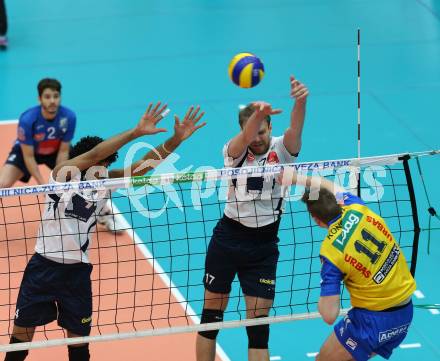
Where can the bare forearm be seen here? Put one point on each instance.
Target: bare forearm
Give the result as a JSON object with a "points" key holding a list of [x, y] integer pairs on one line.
{"points": [[32, 167], [163, 150], [150, 160], [62, 156], [252, 127], [250, 130], [112, 145], [292, 137], [290, 176], [297, 117]]}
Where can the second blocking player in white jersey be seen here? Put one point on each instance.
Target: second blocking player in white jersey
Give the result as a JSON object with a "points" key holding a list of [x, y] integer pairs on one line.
{"points": [[244, 241], [56, 283]]}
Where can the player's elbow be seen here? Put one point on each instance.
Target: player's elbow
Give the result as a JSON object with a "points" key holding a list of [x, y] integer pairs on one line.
{"points": [[329, 318], [292, 142], [329, 309]]}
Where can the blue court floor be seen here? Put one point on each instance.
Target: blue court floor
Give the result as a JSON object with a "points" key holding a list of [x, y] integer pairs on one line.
{"points": [[115, 56]]}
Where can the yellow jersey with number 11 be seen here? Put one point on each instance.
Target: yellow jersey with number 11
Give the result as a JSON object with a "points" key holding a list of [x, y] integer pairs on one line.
{"points": [[362, 247]]}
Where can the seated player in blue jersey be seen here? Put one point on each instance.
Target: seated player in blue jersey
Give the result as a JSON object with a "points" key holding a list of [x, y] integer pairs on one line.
{"points": [[360, 251], [56, 283], [43, 137]]}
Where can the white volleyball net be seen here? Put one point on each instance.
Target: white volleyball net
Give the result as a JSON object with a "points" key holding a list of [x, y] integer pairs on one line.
{"points": [[147, 279]]}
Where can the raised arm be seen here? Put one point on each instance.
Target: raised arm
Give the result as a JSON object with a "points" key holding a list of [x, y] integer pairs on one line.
{"points": [[240, 142], [289, 176], [182, 131], [292, 136], [146, 126]]}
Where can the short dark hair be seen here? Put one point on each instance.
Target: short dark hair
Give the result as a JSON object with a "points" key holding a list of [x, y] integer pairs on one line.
{"points": [[322, 204], [88, 143], [48, 83], [246, 112]]}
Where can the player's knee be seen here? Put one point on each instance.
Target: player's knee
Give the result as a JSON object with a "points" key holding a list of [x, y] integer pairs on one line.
{"points": [[258, 336], [79, 352], [16, 355], [4, 183], [210, 316]]}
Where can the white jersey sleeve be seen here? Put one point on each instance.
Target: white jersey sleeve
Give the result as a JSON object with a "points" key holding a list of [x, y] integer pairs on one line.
{"points": [[228, 161], [283, 153]]}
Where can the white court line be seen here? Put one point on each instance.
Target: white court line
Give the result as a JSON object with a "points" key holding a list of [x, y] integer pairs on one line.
{"points": [[10, 121], [163, 275], [411, 345], [419, 294], [275, 358], [311, 354]]}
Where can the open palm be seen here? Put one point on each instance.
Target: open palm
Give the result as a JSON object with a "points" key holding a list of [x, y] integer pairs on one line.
{"points": [[188, 126], [148, 123]]}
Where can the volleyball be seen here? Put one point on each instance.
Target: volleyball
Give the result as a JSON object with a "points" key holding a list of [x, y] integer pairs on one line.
{"points": [[246, 70]]}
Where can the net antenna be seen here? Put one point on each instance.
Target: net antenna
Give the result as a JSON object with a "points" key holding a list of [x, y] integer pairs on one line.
{"points": [[359, 108]]}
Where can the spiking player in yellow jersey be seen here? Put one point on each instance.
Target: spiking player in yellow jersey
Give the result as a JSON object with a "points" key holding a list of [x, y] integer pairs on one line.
{"points": [[359, 250]]}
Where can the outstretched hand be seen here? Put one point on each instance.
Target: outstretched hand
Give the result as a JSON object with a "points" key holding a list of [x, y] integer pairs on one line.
{"points": [[188, 126], [265, 109], [298, 90], [148, 123]]}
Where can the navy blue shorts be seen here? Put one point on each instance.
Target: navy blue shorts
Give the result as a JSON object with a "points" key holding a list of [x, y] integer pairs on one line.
{"points": [[250, 253], [54, 291], [15, 158], [364, 332]]}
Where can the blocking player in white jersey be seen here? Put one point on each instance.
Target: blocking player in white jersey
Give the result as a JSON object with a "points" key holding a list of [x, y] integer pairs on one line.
{"points": [[56, 283], [244, 241]]}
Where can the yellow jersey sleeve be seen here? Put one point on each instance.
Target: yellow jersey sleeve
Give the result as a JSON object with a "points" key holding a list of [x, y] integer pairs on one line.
{"points": [[362, 247]]}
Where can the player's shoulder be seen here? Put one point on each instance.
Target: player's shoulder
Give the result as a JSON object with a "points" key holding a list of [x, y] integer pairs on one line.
{"points": [[327, 248], [30, 115], [66, 112], [277, 140], [277, 143]]}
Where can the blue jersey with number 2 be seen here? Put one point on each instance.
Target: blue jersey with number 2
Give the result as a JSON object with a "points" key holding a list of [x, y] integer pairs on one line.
{"points": [[46, 135]]}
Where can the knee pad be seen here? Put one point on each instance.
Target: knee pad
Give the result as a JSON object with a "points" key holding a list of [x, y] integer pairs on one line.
{"points": [[258, 336], [79, 353], [209, 316], [16, 355]]}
